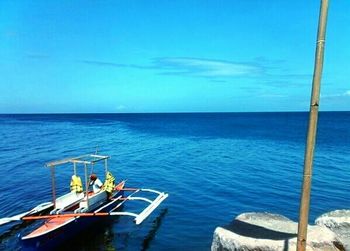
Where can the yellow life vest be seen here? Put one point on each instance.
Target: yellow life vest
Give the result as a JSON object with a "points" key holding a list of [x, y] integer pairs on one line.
{"points": [[75, 184], [109, 183]]}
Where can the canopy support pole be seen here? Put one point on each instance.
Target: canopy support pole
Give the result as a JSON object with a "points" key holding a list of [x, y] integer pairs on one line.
{"points": [[106, 167], [75, 168], [86, 184], [53, 186]]}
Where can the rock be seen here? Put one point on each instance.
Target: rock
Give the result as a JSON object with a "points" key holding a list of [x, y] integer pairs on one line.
{"points": [[270, 232], [339, 222]]}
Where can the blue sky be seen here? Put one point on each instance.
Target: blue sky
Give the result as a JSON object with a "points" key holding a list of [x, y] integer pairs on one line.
{"points": [[169, 56]]}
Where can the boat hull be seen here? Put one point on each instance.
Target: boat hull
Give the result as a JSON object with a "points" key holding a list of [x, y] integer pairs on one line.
{"points": [[72, 227]]}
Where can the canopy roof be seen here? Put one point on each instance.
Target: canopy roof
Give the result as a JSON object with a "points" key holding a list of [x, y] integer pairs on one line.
{"points": [[87, 159]]}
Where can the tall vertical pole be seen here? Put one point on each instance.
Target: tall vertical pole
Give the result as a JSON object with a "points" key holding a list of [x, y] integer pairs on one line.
{"points": [[311, 136]]}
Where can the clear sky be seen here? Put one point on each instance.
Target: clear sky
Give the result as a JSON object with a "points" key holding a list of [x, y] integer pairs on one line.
{"points": [[170, 56]]}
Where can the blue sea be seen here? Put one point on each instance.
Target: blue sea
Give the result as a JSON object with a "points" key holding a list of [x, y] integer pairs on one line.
{"points": [[214, 166]]}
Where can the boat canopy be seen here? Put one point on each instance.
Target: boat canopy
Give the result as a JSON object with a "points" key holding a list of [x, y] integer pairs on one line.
{"points": [[87, 159]]}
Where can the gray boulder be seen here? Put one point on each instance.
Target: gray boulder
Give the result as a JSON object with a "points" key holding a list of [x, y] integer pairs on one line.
{"points": [[270, 232], [339, 222]]}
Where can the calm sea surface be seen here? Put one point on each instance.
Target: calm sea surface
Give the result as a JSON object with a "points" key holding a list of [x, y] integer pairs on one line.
{"points": [[213, 165]]}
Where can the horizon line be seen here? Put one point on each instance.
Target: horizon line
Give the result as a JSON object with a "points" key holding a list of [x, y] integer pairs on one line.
{"points": [[195, 112]]}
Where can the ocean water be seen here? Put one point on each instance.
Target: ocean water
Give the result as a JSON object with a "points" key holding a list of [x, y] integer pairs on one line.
{"points": [[213, 165]]}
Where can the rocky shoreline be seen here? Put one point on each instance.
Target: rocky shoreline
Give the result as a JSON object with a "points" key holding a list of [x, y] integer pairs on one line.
{"points": [[273, 232]]}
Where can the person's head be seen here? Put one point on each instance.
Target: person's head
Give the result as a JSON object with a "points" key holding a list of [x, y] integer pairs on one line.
{"points": [[93, 177]]}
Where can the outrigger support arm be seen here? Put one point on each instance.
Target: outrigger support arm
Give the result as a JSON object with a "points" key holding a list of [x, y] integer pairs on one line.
{"points": [[148, 210], [36, 210], [138, 218], [153, 204]]}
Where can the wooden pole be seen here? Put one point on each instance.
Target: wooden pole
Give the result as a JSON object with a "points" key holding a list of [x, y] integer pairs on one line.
{"points": [[311, 136]]}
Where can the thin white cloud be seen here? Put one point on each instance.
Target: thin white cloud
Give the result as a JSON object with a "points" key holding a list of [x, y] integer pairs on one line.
{"points": [[195, 67], [206, 67], [121, 107], [339, 95], [11, 34], [101, 63], [37, 55], [273, 96]]}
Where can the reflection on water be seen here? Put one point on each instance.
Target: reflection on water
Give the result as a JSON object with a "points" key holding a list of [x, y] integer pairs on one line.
{"points": [[152, 232]]}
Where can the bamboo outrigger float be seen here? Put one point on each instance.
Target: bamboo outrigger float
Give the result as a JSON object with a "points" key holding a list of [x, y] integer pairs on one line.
{"points": [[71, 213]]}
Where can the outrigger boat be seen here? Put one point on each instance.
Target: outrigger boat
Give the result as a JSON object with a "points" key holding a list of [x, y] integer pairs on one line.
{"points": [[80, 208]]}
